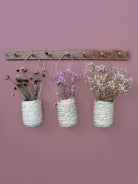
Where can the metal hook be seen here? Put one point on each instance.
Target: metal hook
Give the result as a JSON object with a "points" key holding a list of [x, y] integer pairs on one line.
{"points": [[33, 55], [48, 54], [84, 55], [119, 53], [102, 54], [15, 54], [67, 54]]}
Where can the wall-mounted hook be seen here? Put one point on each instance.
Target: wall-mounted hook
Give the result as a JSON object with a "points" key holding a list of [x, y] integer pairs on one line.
{"points": [[67, 54], [79, 54], [33, 55], [84, 55], [103, 54], [119, 53], [49, 54], [15, 54]]}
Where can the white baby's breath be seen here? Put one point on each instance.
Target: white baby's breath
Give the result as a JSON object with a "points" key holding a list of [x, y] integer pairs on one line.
{"points": [[107, 85]]}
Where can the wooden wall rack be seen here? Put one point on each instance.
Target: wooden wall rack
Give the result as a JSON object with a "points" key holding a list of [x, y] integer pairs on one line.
{"points": [[78, 54]]}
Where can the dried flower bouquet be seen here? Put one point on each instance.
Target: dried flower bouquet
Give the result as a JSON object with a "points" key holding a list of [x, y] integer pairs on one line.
{"points": [[65, 82], [106, 85], [30, 88]]}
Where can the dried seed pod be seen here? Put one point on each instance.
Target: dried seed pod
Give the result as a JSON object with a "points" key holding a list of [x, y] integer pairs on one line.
{"points": [[19, 84], [25, 70], [24, 83], [22, 69], [36, 72], [18, 77], [44, 70], [35, 82], [38, 80], [6, 77]]}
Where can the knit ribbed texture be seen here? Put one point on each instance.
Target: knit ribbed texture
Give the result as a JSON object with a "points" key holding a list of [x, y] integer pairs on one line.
{"points": [[32, 113], [103, 113], [67, 112]]}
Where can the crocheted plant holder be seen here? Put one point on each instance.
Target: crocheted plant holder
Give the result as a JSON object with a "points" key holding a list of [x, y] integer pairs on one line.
{"points": [[67, 112], [103, 113], [32, 113], [32, 110], [103, 110]]}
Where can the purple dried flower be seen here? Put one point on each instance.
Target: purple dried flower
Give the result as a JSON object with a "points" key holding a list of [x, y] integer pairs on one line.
{"points": [[55, 104], [67, 90], [63, 72], [70, 67], [66, 80], [82, 75], [57, 93], [73, 86]]}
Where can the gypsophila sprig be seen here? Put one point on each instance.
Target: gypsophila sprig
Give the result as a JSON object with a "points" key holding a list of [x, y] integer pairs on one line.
{"points": [[107, 85], [66, 83], [29, 86]]}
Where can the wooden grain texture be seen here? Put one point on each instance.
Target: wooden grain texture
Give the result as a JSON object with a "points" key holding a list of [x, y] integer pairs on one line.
{"points": [[78, 54]]}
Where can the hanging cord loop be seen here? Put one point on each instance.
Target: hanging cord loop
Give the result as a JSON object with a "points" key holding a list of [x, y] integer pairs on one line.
{"points": [[102, 54], [31, 54], [56, 66]]}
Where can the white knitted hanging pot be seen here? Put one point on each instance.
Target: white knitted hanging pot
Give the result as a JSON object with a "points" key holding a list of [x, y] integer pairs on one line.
{"points": [[67, 112], [103, 113], [32, 113]]}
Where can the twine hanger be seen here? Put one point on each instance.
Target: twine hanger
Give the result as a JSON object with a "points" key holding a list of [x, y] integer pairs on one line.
{"points": [[33, 55], [66, 54], [102, 54]]}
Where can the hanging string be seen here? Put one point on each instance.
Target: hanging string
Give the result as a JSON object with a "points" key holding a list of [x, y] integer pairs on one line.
{"points": [[106, 61], [66, 54], [40, 89]]}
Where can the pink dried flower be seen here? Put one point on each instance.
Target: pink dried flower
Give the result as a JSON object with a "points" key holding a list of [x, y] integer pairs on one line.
{"points": [[66, 81]]}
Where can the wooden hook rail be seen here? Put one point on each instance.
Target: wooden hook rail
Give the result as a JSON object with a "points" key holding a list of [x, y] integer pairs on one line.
{"points": [[78, 54]]}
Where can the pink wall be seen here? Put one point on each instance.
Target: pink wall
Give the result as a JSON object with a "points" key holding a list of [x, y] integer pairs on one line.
{"points": [[83, 154]]}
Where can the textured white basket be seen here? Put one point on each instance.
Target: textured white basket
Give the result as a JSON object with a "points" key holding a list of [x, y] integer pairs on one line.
{"points": [[67, 112], [103, 113], [32, 113]]}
